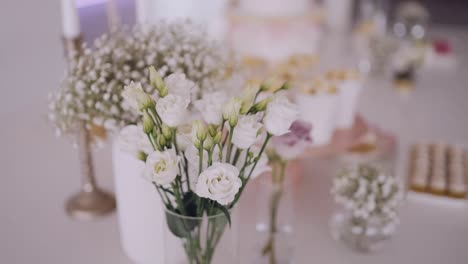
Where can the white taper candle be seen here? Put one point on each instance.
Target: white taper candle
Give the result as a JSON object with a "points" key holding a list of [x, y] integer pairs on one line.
{"points": [[143, 11], [70, 19]]}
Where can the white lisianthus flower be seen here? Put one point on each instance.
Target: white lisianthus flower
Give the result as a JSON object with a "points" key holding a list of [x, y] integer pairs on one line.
{"points": [[162, 167], [246, 131], [192, 155], [211, 107], [280, 114], [132, 139], [136, 98], [184, 136], [232, 108], [172, 109], [179, 85], [219, 182]]}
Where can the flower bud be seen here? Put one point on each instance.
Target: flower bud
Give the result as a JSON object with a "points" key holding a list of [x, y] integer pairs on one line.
{"points": [[232, 108], [217, 138], [162, 141], [148, 123], [167, 132], [262, 105], [200, 130], [208, 144], [197, 143], [260, 131], [248, 99], [157, 82], [286, 86], [233, 121], [265, 86], [212, 130], [142, 156], [134, 95]]}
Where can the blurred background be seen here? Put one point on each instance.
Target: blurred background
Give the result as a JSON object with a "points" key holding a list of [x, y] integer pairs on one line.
{"points": [[411, 55]]}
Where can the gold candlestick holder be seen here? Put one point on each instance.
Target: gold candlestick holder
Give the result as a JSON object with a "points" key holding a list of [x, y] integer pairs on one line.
{"points": [[90, 202]]}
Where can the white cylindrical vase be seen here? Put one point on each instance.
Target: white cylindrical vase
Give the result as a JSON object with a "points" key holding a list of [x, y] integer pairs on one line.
{"points": [[140, 210], [339, 14], [320, 110], [348, 98]]}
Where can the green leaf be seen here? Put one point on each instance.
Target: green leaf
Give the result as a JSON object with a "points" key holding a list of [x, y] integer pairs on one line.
{"points": [[180, 226], [190, 203], [225, 211]]}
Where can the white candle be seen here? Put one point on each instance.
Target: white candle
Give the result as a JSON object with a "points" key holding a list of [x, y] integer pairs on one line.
{"points": [[70, 19], [143, 8]]}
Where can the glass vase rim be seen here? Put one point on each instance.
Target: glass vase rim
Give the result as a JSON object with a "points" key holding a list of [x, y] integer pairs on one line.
{"points": [[197, 217]]}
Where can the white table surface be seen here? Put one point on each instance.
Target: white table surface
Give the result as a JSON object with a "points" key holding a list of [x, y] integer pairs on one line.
{"points": [[39, 172]]}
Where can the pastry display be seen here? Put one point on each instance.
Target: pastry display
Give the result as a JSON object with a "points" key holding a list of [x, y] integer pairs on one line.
{"points": [[438, 169], [274, 39], [456, 181]]}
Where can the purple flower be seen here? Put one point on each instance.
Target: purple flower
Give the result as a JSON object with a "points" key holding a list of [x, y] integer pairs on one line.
{"points": [[293, 143]]}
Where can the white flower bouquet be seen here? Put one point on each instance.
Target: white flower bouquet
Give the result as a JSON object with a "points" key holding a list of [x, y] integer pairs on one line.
{"points": [[371, 199], [201, 162], [92, 88]]}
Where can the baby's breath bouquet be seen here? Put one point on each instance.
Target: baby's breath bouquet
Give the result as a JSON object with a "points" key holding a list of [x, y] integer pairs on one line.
{"points": [[200, 163], [371, 198], [92, 88]]}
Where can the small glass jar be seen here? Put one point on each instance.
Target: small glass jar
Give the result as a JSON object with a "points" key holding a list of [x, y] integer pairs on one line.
{"points": [[361, 235], [201, 240]]}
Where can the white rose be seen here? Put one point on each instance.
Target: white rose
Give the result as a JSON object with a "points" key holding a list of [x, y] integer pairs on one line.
{"points": [[162, 167], [136, 98], [179, 85], [211, 107], [132, 139], [246, 131], [280, 114], [172, 109], [220, 182]]}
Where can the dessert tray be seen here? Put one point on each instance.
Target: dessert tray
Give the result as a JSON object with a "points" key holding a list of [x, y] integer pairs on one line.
{"points": [[437, 174]]}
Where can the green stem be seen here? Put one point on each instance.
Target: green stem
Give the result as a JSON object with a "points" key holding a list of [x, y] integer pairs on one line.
{"points": [[228, 155], [210, 157], [150, 138], [278, 189], [200, 159], [178, 198], [236, 156], [160, 194], [220, 152], [157, 120], [186, 172], [260, 154], [251, 171]]}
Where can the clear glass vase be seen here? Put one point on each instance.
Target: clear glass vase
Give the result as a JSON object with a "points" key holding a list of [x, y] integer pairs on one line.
{"points": [[201, 240], [275, 218], [359, 235]]}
